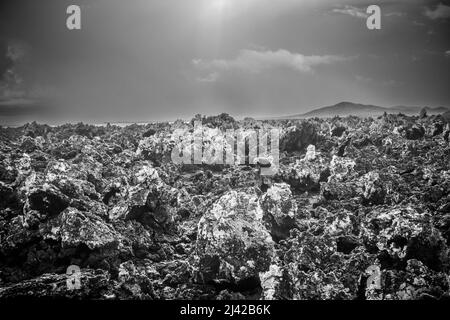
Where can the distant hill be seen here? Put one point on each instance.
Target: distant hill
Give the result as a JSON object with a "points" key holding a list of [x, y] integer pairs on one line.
{"points": [[344, 109]]}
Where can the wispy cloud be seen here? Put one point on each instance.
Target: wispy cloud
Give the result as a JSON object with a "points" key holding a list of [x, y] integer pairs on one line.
{"points": [[441, 11], [363, 79], [6, 61], [395, 14], [447, 53], [418, 23], [23, 107], [391, 83], [370, 81], [352, 11], [257, 61], [211, 77]]}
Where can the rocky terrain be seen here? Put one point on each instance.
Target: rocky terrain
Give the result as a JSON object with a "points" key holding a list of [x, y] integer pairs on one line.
{"points": [[360, 209]]}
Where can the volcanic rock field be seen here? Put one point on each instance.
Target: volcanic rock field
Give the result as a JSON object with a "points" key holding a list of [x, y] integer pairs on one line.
{"points": [[359, 209]]}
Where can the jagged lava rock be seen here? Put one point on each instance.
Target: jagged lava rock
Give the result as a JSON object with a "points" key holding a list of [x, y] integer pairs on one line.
{"points": [[232, 242], [279, 210]]}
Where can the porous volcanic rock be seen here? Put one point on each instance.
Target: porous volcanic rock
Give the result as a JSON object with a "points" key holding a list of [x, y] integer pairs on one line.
{"points": [[359, 209], [280, 210], [232, 242]]}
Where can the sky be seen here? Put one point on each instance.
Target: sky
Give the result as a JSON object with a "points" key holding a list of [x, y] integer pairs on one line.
{"points": [[156, 60]]}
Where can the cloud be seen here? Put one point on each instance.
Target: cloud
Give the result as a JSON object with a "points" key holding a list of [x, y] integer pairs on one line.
{"points": [[212, 77], [385, 83], [447, 53], [441, 11], [23, 107], [352, 11], [418, 23], [6, 62], [18, 97], [395, 14], [254, 61], [363, 79], [11, 57], [392, 83]]}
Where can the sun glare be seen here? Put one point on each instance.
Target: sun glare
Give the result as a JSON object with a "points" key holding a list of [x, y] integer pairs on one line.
{"points": [[219, 5]]}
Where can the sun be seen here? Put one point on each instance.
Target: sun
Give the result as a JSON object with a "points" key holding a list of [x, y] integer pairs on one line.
{"points": [[215, 12], [219, 5]]}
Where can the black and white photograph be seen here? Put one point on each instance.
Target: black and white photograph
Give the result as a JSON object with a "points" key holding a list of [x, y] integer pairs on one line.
{"points": [[250, 151]]}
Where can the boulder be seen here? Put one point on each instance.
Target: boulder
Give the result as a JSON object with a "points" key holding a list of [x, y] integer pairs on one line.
{"points": [[414, 132], [297, 139], [83, 228], [279, 210], [232, 243]]}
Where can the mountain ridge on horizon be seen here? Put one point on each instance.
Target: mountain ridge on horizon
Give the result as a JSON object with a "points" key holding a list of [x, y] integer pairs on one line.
{"points": [[346, 108]]}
